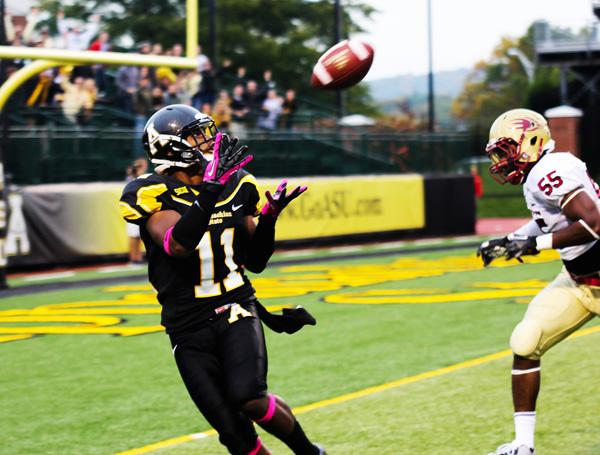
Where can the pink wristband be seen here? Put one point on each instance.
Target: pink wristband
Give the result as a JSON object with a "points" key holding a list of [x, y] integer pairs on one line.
{"points": [[166, 240]]}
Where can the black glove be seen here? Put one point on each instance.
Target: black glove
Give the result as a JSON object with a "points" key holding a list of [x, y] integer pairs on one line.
{"points": [[227, 160], [277, 202], [492, 249], [292, 319], [521, 245]]}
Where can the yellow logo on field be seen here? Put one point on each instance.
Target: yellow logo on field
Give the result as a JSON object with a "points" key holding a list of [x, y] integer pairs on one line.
{"points": [[107, 317]]}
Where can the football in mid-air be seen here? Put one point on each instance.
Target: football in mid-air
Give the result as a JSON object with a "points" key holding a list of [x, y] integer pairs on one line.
{"points": [[343, 65]]}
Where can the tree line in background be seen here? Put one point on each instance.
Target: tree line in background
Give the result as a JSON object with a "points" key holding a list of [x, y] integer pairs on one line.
{"points": [[501, 82]]}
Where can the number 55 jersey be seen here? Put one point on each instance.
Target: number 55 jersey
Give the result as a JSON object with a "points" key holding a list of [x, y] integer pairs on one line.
{"points": [[190, 289], [551, 184]]}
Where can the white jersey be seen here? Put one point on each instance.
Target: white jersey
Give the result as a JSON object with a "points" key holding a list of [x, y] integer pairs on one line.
{"points": [[552, 178]]}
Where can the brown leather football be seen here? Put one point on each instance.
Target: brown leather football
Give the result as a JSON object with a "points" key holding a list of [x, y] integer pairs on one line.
{"points": [[343, 65]]}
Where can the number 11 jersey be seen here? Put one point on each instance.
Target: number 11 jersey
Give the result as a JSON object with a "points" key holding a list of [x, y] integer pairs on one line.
{"points": [[191, 288]]}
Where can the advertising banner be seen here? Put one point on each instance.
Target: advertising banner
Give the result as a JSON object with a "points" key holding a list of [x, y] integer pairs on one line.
{"points": [[68, 222], [337, 206]]}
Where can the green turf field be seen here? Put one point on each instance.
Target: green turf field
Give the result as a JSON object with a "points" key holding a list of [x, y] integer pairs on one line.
{"points": [[402, 361]]}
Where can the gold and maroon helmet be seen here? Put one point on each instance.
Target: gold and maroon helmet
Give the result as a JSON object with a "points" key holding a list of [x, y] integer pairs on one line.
{"points": [[518, 139]]}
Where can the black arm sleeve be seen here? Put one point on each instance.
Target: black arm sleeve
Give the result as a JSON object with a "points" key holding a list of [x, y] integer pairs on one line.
{"points": [[191, 227], [261, 244]]}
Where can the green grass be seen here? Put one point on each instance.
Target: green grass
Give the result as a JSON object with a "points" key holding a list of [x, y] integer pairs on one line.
{"points": [[101, 394], [502, 207], [500, 201]]}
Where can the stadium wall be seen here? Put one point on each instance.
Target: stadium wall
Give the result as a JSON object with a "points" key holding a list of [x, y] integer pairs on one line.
{"points": [[78, 223]]}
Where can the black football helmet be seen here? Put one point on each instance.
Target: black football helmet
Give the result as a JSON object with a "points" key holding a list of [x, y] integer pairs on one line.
{"points": [[173, 137]]}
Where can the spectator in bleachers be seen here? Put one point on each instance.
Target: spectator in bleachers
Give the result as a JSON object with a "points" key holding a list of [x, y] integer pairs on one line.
{"points": [[240, 78], [100, 44], [267, 84], [190, 84], [9, 28], [239, 111], [207, 85], [253, 101], [16, 35], [203, 60], [224, 74], [142, 106], [157, 49], [158, 98], [173, 94], [22, 34], [30, 36], [77, 36], [77, 100], [45, 90], [177, 50], [48, 42], [290, 106], [127, 82], [222, 113], [144, 47], [271, 109], [142, 103], [207, 109], [89, 86], [165, 77], [145, 72]]}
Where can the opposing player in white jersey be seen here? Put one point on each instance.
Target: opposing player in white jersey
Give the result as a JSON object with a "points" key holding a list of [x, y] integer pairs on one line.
{"points": [[565, 205]]}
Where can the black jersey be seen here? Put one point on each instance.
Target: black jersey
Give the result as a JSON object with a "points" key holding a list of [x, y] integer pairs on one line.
{"points": [[191, 288]]}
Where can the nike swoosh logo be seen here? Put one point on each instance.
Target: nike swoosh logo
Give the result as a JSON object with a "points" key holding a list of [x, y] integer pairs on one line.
{"points": [[211, 170], [235, 207]]}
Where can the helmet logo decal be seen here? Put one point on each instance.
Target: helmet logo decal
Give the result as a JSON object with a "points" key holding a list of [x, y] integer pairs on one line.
{"points": [[525, 124], [154, 136]]}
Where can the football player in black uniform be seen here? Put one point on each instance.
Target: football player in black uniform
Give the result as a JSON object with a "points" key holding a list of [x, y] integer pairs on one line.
{"points": [[196, 217]]}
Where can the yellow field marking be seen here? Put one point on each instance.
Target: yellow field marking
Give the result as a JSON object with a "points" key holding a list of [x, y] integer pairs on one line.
{"points": [[104, 316], [168, 443], [394, 296], [584, 332], [6, 338], [354, 395]]}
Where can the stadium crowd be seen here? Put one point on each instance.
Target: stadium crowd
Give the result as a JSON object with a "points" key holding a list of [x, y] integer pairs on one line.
{"points": [[237, 102]]}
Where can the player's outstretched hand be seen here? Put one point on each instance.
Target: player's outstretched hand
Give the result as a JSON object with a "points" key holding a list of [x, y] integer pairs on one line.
{"points": [[278, 201], [228, 158], [492, 249], [520, 245]]}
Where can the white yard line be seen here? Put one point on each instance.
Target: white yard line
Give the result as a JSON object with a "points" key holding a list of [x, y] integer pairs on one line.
{"points": [[49, 276]]}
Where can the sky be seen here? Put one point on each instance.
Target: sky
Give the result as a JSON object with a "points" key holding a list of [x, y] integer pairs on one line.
{"points": [[463, 31]]}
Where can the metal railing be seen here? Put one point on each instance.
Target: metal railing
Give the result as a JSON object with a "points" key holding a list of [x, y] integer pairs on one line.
{"points": [[549, 40], [66, 154]]}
